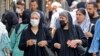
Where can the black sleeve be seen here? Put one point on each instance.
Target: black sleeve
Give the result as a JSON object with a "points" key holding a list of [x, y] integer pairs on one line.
{"points": [[22, 43], [55, 38], [92, 29], [48, 37], [91, 38], [82, 36]]}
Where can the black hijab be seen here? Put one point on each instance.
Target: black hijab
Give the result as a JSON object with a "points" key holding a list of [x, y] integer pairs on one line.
{"points": [[71, 27], [26, 16], [41, 31]]}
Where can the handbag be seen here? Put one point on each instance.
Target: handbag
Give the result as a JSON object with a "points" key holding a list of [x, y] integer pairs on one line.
{"points": [[49, 51], [81, 50]]}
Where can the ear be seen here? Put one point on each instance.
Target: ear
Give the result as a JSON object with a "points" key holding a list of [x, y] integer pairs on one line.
{"points": [[37, 5]]}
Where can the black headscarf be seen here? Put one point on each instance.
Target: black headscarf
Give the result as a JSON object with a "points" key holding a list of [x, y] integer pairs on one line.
{"points": [[41, 35], [70, 32], [26, 16], [70, 35], [41, 30], [71, 27]]}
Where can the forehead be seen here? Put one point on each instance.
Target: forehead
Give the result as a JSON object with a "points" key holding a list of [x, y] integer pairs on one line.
{"points": [[90, 6], [78, 12], [63, 17], [35, 15], [19, 5], [35, 3]]}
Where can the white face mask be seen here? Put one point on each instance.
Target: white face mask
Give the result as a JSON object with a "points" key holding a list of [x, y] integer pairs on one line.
{"points": [[34, 22], [18, 10]]}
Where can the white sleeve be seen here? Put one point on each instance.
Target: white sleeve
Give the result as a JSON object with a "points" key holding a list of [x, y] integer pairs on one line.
{"points": [[53, 20]]}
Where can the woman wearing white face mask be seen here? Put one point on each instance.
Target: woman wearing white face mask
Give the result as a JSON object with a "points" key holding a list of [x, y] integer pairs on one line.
{"points": [[35, 20], [35, 37]]}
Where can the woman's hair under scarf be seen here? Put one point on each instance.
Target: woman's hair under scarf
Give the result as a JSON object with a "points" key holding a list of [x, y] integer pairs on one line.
{"points": [[85, 25], [71, 27], [38, 14], [40, 26]]}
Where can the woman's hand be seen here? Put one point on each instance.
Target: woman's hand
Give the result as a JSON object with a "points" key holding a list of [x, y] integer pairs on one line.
{"points": [[8, 55], [42, 43], [31, 42], [57, 45], [88, 34], [7, 51], [94, 54], [73, 43]]}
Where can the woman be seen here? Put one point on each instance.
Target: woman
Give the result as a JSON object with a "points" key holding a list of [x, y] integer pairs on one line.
{"points": [[4, 41], [69, 37], [83, 20], [87, 27], [35, 38]]}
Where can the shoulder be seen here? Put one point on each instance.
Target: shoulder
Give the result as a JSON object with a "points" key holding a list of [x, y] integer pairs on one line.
{"points": [[45, 28], [58, 30], [76, 26], [41, 12], [11, 12], [98, 21], [27, 10], [25, 32], [20, 27], [3, 28]]}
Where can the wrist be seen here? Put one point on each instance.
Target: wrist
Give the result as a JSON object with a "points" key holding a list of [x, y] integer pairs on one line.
{"points": [[79, 41]]}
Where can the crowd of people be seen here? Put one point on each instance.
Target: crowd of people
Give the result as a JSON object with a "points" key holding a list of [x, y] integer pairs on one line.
{"points": [[64, 29]]}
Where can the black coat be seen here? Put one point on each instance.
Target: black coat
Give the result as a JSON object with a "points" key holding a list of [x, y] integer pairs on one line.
{"points": [[62, 36], [34, 50]]}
